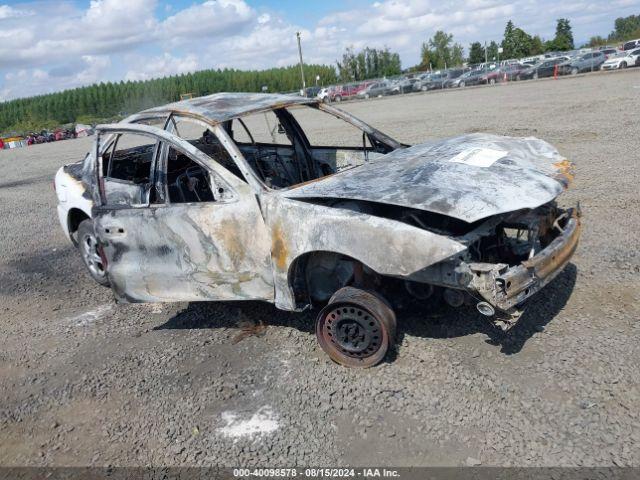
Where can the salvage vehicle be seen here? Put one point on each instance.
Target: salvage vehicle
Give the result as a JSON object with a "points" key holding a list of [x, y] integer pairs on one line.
{"points": [[622, 60], [291, 201], [589, 62], [544, 69]]}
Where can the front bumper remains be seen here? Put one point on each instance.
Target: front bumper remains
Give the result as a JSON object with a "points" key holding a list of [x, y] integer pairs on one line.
{"points": [[518, 283]]}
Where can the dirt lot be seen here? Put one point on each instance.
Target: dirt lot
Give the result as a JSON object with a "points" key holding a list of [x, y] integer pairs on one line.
{"points": [[85, 381]]}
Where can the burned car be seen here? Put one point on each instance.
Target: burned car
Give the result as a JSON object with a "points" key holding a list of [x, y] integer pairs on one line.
{"points": [[235, 197]]}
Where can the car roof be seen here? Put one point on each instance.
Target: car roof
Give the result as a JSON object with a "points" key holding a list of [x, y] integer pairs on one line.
{"points": [[221, 107]]}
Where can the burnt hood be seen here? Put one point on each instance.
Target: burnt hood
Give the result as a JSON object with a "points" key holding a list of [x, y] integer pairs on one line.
{"points": [[470, 177]]}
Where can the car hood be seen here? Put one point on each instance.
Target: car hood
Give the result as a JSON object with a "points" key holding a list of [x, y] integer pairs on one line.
{"points": [[470, 177]]}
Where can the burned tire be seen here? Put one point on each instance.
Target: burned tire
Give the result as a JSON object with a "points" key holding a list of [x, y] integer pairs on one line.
{"points": [[356, 328], [88, 247]]}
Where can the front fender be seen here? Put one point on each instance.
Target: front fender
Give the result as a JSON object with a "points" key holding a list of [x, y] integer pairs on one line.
{"points": [[389, 247]]}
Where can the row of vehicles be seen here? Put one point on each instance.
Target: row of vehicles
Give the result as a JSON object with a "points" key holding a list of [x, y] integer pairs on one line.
{"points": [[569, 63]]}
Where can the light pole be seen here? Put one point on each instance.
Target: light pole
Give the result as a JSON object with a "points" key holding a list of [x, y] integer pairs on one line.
{"points": [[304, 85]]}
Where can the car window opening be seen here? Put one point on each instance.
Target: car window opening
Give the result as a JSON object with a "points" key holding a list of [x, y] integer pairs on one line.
{"points": [[283, 154]]}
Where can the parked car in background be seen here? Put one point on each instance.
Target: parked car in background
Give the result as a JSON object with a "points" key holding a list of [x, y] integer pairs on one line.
{"points": [[512, 71], [325, 94], [543, 69], [442, 79], [609, 52], [492, 77], [348, 91], [406, 85], [621, 60], [311, 92], [376, 89], [631, 45], [472, 77], [588, 62]]}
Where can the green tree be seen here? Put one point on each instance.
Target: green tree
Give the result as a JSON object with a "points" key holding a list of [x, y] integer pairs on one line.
{"points": [[537, 46], [440, 51], [516, 43], [626, 28], [564, 35], [476, 53], [596, 41], [492, 51]]}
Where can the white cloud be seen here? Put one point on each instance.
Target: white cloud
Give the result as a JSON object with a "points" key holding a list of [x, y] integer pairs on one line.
{"points": [[31, 81], [161, 66], [61, 45], [209, 19], [9, 12]]}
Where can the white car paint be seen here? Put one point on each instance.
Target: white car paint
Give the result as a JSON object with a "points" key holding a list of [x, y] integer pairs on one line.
{"points": [[70, 196], [614, 63]]}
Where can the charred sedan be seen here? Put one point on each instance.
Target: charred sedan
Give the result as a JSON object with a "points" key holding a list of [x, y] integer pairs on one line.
{"points": [[230, 197]]}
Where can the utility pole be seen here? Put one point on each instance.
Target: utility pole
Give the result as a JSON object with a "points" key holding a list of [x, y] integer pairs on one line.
{"points": [[304, 84], [486, 58]]}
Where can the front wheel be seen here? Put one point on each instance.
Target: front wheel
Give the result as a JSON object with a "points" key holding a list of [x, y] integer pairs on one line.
{"points": [[338, 98], [535, 76], [492, 81], [88, 246], [623, 65], [574, 71], [462, 84], [356, 328]]}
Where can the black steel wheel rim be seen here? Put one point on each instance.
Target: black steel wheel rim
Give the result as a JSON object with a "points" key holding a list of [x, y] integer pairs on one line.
{"points": [[353, 331]]}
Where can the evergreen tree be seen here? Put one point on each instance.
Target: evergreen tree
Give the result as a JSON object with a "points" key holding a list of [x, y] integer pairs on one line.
{"points": [[476, 53], [564, 35]]}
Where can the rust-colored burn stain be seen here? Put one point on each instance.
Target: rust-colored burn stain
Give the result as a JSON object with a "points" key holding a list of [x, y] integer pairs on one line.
{"points": [[565, 171], [279, 250], [232, 241]]}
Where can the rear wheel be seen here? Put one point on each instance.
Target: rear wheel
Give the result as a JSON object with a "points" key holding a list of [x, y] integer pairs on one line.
{"points": [[535, 76], [492, 81], [356, 328], [88, 246], [338, 98]]}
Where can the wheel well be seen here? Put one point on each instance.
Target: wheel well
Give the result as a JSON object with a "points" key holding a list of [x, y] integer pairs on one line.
{"points": [[74, 219], [332, 271]]}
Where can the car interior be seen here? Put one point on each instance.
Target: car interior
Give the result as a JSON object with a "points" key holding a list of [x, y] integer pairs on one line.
{"points": [[280, 153]]}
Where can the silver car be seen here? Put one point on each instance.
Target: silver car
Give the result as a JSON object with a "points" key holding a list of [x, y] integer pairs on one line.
{"points": [[243, 197]]}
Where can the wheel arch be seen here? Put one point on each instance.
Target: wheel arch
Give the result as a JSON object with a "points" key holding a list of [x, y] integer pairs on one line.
{"points": [[297, 273], [75, 217]]}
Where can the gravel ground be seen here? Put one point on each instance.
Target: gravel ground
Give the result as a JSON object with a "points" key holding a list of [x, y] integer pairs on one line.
{"points": [[88, 382]]}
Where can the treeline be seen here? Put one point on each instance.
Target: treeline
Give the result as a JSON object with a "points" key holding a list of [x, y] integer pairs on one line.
{"points": [[625, 28], [440, 51], [368, 63], [113, 100]]}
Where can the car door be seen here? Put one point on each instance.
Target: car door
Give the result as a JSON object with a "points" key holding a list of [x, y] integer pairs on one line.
{"points": [[195, 232]]}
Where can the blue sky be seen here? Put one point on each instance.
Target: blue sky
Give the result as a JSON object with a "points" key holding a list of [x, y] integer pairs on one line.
{"points": [[48, 45]]}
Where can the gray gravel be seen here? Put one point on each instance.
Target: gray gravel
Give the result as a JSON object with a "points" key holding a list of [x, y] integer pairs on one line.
{"points": [[85, 381]]}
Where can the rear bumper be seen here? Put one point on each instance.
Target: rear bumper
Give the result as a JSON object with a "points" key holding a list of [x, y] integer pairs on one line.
{"points": [[518, 283]]}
